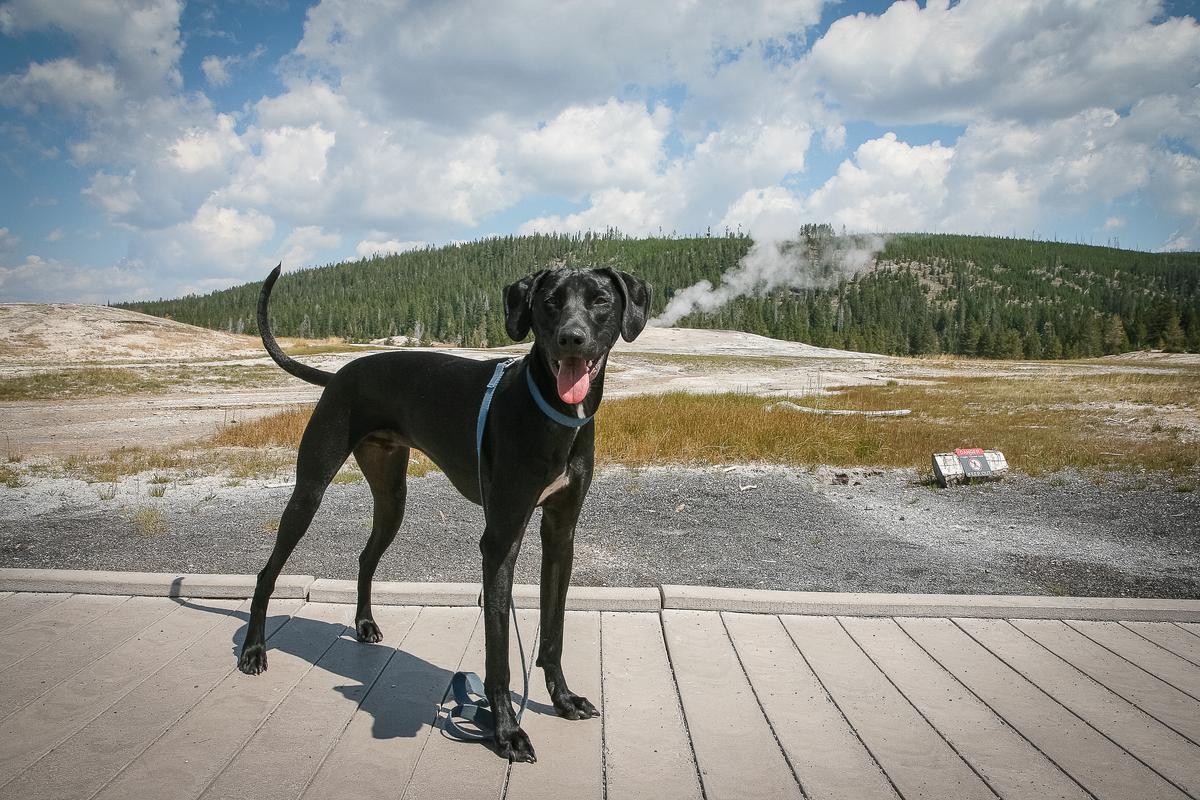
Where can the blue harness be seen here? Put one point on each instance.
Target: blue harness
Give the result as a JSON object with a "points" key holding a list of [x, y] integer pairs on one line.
{"points": [[470, 697]]}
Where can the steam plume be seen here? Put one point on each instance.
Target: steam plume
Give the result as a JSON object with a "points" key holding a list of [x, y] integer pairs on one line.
{"points": [[814, 259]]}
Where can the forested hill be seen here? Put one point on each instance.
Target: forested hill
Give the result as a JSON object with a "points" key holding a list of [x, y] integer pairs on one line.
{"points": [[925, 293]]}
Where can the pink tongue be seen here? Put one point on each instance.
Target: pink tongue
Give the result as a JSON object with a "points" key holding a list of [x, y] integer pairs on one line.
{"points": [[573, 380]]}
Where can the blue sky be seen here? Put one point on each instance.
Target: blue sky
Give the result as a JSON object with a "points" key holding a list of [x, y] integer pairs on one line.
{"points": [[152, 148]]}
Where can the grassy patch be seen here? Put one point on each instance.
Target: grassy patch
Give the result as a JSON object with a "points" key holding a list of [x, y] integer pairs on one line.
{"points": [[186, 463], [331, 346], [285, 428], [149, 521], [66, 384], [10, 477], [1042, 425], [282, 429]]}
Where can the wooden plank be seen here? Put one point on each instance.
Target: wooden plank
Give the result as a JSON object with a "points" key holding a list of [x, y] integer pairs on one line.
{"points": [[647, 749], [571, 752], [1151, 656], [82, 764], [1159, 747], [1012, 767], [1123, 677], [826, 754], [60, 712], [1100, 766], [452, 769], [730, 736], [196, 748], [51, 623], [911, 753], [384, 739], [280, 758], [16, 607], [1170, 637], [27, 680]]}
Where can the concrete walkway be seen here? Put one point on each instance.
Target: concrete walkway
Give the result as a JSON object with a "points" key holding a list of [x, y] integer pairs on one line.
{"points": [[130, 696]]}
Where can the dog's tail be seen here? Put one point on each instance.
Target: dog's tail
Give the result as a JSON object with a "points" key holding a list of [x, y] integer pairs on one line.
{"points": [[302, 371]]}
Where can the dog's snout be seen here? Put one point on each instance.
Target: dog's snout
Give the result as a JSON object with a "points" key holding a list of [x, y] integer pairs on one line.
{"points": [[568, 337]]}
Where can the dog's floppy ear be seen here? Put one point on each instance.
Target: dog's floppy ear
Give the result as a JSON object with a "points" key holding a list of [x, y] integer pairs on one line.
{"points": [[636, 294], [518, 305]]}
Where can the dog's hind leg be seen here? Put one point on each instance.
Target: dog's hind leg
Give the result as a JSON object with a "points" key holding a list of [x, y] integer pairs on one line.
{"points": [[323, 450], [386, 470]]}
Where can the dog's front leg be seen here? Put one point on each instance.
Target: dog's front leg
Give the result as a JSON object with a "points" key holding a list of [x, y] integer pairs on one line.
{"points": [[559, 515], [500, 544]]}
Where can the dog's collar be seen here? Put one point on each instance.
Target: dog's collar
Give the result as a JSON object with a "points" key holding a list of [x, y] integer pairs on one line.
{"points": [[549, 410]]}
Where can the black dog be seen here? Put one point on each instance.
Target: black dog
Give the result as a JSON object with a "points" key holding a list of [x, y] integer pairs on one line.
{"points": [[380, 406]]}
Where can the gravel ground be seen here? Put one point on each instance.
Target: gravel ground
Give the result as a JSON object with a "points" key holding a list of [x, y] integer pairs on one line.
{"points": [[757, 527]]}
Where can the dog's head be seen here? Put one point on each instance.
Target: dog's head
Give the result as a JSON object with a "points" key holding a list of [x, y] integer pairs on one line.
{"points": [[576, 317]]}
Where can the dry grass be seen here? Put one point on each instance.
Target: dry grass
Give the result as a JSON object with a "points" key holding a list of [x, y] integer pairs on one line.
{"points": [[1042, 425], [149, 521], [315, 348], [282, 429], [285, 428], [72, 383], [184, 463], [10, 477]]}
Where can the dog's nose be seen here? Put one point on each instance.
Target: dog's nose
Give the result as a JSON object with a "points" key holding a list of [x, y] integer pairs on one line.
{"points": [[571, 336]]}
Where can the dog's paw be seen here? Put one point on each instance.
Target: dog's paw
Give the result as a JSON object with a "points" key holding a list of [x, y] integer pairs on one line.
{"points": [[515, 747], [368, 631], [572, 706], [253, 659]]}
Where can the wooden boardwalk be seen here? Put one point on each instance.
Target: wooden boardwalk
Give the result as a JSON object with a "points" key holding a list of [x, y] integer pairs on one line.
{"points": [[138, 697]]}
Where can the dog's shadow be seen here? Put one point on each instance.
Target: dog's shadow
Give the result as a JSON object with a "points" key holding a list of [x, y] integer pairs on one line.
{"points": [[403, 700]]}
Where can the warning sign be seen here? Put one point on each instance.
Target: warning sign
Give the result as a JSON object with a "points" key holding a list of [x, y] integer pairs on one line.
{"points": [[968, 462], [975, 466]]}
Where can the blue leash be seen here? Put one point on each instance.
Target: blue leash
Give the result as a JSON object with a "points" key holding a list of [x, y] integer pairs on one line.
{"points": [[470, 698]]}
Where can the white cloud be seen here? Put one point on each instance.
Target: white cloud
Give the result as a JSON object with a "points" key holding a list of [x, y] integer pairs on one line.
{"points": [[888, 186], [43, 280], [216, 70], [8, 239], [55, 235], [206, 148], [1019, 58], [138, 38], [770, 213], [635, 213], [63, 83], [218, 241], [303, 244], [370, 247], [531, 59], [590, 147]]}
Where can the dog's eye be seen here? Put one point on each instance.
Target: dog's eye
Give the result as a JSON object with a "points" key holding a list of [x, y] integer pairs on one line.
{"points": [[600, 301]]}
